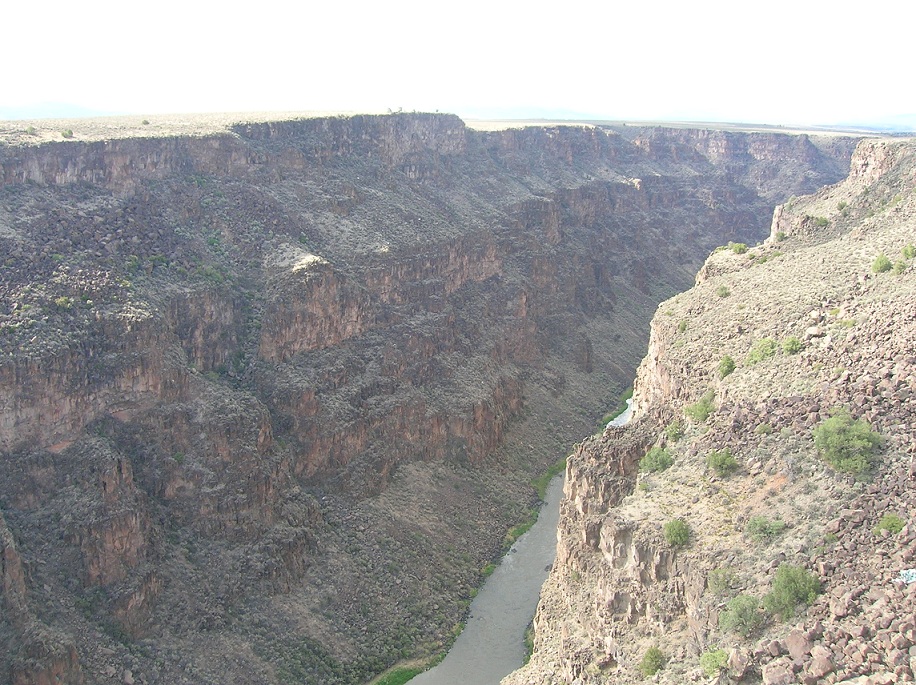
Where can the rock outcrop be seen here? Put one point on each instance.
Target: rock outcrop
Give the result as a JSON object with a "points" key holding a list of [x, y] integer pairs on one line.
{"points": [[270, 395], [774, 344]]}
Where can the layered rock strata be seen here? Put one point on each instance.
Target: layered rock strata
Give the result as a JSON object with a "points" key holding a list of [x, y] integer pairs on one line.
{"points": [[768, 345], [270, 395]]}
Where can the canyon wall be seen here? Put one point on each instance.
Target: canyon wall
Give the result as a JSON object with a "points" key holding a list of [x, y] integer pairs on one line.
{"points": [[271, 395], [746, 376]]}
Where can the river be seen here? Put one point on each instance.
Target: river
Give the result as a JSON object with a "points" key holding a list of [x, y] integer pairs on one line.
{"points": [[492, 644]]}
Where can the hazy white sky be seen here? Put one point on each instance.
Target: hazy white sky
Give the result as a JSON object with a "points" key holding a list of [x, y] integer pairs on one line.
{"points": [[776, 62]]}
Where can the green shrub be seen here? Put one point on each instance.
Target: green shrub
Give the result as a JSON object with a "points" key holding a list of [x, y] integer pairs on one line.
{"points": [[899, 267], [68, 133], [31, 131], [726, 366], [652, 662], [723, 291], [909, 251], [721, 580], [656, 460], [792, 345], [145, 122], [541, 482], [763, 429], [761, 529], [842, 205], [881, 264], [674, 431], [677, 532], [63, 303], [700, 411], [400, 676], [847, 445], [890, 522], [682, 326], [737, 248], [792, 585], [713, 661], [820, 221], [780, 236], [722, 462], [742, 615], [762, 349]]}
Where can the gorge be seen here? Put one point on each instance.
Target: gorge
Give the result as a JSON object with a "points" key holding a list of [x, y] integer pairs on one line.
{"points": [[272, 392]]}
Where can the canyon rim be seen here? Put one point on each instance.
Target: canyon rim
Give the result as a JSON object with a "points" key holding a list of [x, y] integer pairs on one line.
{"points": [[272, 392]]}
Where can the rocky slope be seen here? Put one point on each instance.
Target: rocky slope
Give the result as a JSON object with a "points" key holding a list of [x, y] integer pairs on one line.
{"points": [[272, 393], [773, 341]]}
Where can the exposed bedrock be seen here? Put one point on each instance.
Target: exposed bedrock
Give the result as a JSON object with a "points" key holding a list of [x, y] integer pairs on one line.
{"points": [[276, 393], [782, 356]]}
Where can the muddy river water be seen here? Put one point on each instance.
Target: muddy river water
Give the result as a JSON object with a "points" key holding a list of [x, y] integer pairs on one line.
{"points": [[492, 644]]}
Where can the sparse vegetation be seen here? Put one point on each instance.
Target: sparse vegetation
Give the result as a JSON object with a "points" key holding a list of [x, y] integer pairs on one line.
{"points": [[723, 291], [792, 585], [529, 643], [726, 366], [700, 411], [722, 462], [881, 264], [780, 236], [67, 133], [763, 429], [762, 530], [742, 615], [145, 122], [713, 661], [656, 460], [890, 522], [652, 662], [842, 205], [682, 326], [63, 303], [762, 349], [792, 345], [737, 248], [31, 131], [676, 532], [400, 676], [674, 431], [540, 484], [618, 410], [847, 444], [721, 580], [821, 222], [909, 251], [517, 531]]}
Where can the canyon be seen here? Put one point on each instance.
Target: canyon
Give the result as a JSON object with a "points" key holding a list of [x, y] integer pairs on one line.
{"points": [[273, 392], [746, 378]]}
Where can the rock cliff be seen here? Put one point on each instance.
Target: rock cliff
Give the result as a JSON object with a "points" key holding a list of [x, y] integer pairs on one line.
{"points": [[272, 393], [775, 418]]}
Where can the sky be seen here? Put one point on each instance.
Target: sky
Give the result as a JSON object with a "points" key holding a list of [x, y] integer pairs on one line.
{"points": [[798, 62]]}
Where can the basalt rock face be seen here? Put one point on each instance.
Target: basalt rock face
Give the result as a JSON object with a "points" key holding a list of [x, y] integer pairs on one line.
{"points": [[813, 324], [270, 396]]}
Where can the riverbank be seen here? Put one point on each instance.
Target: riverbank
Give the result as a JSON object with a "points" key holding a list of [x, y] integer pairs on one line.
{"points": [[492, 644]]}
